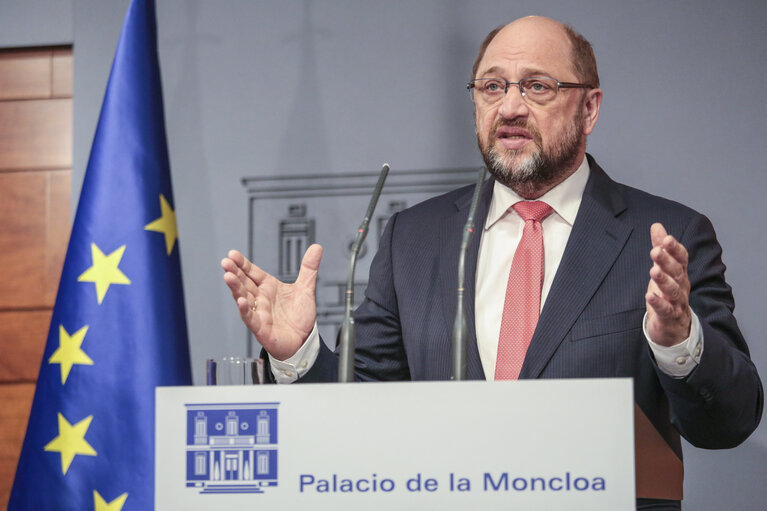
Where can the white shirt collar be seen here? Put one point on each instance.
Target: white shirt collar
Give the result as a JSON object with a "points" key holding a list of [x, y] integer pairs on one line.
{"points": [[564, 198]]}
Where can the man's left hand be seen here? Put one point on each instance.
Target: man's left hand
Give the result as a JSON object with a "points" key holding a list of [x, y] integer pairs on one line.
{"points": [[668, 294]]}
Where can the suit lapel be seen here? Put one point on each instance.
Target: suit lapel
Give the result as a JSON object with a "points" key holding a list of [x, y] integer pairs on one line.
{"points": [[451, 233], [596, 240]]}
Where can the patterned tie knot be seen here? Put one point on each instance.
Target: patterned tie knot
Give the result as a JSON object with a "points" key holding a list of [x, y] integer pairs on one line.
{"points": [[532, 210]]}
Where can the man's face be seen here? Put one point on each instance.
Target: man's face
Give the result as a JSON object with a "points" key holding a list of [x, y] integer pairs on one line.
{"points": [[527, 146]]}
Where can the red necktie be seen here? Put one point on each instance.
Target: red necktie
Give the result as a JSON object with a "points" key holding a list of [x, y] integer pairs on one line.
{"points": [[523, 292]]}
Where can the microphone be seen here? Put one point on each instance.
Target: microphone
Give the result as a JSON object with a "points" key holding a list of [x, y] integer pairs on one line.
{"points": [[346, 359], [459, 326]]}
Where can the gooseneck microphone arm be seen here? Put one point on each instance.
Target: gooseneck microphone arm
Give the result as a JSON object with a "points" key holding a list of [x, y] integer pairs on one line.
{"points": [[347, 340], [459, 326]]}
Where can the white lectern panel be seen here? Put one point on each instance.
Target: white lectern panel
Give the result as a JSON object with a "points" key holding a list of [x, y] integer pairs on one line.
{"points": [[532, 445]]}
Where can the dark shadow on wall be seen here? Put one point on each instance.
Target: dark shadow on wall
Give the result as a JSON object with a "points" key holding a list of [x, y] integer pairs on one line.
{"points": [[192, 193], [458, 50], [304, 145]]}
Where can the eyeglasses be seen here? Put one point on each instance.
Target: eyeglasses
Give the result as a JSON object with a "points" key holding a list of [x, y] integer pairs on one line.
{"points": [[538, 90]]}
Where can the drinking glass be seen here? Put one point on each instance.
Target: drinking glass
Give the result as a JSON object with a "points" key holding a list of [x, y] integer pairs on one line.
{"points": [[234, 371]]}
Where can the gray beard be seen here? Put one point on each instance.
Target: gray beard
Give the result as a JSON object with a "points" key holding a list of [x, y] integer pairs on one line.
{"points": [[540, 170], [533, 169]]}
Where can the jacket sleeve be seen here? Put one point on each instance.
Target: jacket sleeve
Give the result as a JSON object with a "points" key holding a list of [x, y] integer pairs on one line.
{"points": [[720, 403]]}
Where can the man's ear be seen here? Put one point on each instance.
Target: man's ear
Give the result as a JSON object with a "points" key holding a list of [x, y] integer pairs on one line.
{"points": [[591, 104]]}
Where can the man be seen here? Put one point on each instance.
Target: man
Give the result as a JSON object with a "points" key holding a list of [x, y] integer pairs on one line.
{"points": [[582, 242]]}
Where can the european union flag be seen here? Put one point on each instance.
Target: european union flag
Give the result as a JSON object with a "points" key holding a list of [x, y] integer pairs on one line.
{"points": [[118, 328]]}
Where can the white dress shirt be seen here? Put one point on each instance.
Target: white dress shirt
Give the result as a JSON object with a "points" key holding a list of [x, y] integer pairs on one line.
{"points": [[500, 236]]}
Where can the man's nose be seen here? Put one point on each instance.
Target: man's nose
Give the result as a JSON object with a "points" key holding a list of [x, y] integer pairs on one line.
{"points": [[513, 104]]}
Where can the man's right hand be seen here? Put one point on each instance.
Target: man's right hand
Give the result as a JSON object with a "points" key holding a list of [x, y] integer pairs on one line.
{"points": [[280, 315]]}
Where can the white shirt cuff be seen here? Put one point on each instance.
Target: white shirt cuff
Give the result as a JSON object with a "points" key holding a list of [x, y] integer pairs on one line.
{"points": [[678, 360], [293, 368]]}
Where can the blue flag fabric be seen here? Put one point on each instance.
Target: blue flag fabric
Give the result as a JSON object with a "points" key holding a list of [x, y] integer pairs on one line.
{"points": [[118, 328]]}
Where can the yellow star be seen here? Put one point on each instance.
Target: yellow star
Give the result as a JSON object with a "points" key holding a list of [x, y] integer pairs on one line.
{"points": [[104, 270], [71, 441], [166, 224], [69, 352], [101, 505]]}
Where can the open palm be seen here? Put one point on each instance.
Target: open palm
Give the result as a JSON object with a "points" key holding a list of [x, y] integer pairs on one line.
{"points": [[280, 315]]}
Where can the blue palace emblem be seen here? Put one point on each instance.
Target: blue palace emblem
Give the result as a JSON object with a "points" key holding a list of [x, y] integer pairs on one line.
{"points": [[231, 448]]}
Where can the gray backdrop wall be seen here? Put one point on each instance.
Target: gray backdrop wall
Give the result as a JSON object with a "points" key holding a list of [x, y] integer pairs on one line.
{"points": [[264, 88]]}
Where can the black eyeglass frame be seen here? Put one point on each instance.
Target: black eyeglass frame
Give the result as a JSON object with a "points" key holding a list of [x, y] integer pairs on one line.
{"points": [[560, 85]]}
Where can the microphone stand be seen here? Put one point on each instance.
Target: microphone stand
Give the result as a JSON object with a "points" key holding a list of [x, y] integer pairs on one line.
{"points": [[459, 326], [347, 339]]}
